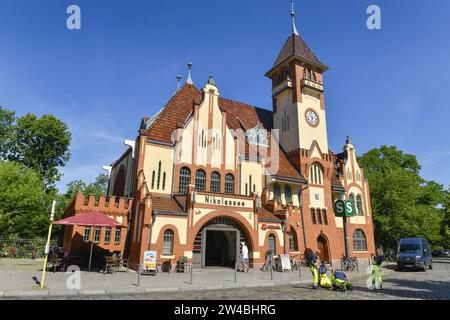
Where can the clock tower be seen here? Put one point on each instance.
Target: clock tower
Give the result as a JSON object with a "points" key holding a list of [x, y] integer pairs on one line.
{"points": [[298, 95]]}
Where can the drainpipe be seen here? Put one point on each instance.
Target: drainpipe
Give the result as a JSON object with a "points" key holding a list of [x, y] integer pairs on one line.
{"points": [[151, 229], [301, 214]]}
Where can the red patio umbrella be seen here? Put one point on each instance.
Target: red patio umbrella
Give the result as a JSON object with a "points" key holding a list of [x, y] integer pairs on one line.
{"points": [[94, 219]]}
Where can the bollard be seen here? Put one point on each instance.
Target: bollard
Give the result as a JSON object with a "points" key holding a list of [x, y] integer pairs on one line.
{"points": [[191, 271], [235, 271], [300, 272], [271, 271]]}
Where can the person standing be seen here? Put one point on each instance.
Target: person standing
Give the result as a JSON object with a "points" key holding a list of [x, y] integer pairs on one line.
{"points": [[314, 268], [377, 260], [244, 261]]}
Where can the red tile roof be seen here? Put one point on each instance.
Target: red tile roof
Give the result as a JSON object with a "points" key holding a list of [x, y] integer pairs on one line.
{"points": [[266, 214], [165, 204], [239, 115]]}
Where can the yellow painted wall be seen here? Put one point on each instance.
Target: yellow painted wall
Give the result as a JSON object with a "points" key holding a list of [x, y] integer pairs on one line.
{"points": [[185, 152], [179, 223], [230, 151], [307, 133], [255, 170], [262, 236], [289, 139], [153, 155], [313, 202]]}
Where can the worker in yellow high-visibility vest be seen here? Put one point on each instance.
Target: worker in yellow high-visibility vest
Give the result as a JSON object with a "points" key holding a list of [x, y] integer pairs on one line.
{"points": [[377, 260], [314, 268]]}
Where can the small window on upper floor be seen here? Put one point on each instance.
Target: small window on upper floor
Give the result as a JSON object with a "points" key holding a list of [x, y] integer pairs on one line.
{"points": [[316, 174]]}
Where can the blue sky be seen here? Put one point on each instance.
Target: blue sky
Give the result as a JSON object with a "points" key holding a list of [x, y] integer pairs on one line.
{"points": [[389, 86]]}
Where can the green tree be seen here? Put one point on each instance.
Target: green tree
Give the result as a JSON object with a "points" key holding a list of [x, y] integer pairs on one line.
{"points": [[24, 204], [6, 131], [41, 144], [97, 188], [403, 204], [446, 223]]}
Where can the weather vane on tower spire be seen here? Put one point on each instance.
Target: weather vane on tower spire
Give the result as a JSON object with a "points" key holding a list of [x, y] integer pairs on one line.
{"points": [[294, 28]]}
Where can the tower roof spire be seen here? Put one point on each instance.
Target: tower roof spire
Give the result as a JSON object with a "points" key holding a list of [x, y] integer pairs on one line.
{"points": [[294, 28]]}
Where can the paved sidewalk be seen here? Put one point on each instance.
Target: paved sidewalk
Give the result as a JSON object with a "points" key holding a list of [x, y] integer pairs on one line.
{"points": [[19, 278]]}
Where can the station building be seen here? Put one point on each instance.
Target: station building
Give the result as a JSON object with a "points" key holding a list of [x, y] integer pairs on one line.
{"points": [[206, 173]]}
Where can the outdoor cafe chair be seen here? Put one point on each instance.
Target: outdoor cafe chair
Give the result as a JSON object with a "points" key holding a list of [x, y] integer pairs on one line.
{"points": [[182, 264], [54, 261], [123, 263], [110, 265]]}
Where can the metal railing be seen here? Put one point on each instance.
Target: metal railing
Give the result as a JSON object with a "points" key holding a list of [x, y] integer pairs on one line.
{"points": [[23, 248]]}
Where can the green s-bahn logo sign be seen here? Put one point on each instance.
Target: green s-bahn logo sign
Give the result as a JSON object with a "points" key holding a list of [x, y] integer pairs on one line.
{"points": [[344, 208]]}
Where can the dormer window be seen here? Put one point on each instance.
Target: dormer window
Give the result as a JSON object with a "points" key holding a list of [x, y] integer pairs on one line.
{"points": [[258, 136]]}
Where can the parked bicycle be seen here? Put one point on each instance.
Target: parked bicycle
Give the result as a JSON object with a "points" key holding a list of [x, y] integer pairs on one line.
{"points": [[294, 265], [349, 263]]}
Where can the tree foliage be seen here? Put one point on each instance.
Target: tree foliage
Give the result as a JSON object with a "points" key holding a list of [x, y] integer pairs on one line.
{"points": [[97, 188], [403, 203], [41, 143], [24, 204]]}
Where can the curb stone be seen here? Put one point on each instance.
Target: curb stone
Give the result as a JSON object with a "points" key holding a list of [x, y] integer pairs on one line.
{"points": [[161, 289], [255, 285], [214, 287], [125, 291], [192, 289], [63, 292], [92, 292], [25, 293]]}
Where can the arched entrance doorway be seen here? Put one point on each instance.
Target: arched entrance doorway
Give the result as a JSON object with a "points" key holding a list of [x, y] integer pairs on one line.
{"points": [[322, 245], [217, 243]]}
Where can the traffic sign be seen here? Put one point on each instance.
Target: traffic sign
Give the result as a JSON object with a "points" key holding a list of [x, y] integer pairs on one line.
{"points": [[344, 208]]}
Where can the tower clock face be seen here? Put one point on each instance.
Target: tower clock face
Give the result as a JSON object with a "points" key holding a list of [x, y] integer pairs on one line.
{"points": [[312, 118]]}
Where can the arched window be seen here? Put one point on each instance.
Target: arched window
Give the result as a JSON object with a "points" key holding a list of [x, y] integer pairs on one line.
{"points": [[351, 198], [272, 243], [313, 216], [359, 241], [229, 183], [168, 243], [325, 218], [185, 180], [159, 175], [153, 179], [164, 181], [277, 191], [359, 205], [315, 174], [200, 180], [215, 182], [293, 240], [288, 194]]}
